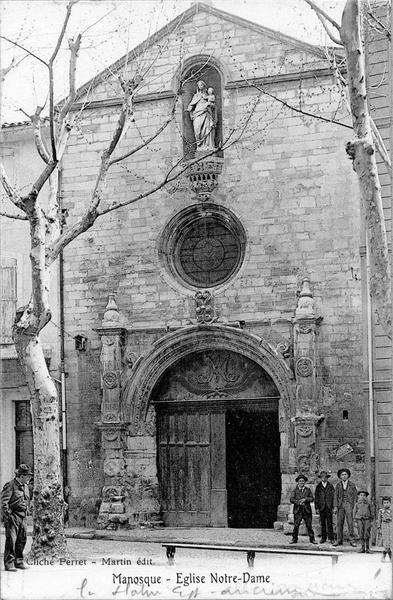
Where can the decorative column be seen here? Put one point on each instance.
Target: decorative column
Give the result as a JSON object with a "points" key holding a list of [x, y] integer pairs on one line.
{"points": [[112, 510], [306, 419]]}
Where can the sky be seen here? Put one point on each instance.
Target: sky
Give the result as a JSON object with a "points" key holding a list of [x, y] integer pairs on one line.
{"points": [[111, 28]]}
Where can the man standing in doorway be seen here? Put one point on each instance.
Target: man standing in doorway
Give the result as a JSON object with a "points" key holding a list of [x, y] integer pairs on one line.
{"points": [[345, 496], [301, 498], [324, 502], [15, 499]]}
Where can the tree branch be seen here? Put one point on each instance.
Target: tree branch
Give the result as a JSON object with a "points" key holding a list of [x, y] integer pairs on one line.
{"points": [[18, 217], [149, 140], [11, 192], [41, 180], [383, 28], [5, 70], [324, 20], [38, 139], [74, 47], [25, 50], [51, 82], [324, 15], [301, 111], [92, 213]]}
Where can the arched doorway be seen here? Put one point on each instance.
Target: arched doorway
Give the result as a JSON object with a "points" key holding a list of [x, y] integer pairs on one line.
{"points": [[218, 441]]}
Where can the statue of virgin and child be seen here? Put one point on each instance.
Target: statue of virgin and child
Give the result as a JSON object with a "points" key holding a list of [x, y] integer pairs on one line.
{"points": [[202, 109]]}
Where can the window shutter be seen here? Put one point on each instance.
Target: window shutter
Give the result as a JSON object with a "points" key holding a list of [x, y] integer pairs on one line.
{"points": [[7, 298]]}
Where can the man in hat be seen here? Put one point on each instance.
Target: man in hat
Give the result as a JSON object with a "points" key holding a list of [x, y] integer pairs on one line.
{"points": [[345, 496], [324, 502], [301, 498], [15, 499]]}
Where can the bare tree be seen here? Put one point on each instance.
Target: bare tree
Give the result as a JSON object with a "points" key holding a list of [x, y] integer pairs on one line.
{"points": [[48, 238], [361, 149]]}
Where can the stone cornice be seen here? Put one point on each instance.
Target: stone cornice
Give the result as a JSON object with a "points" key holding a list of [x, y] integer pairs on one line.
{"points": [[118, 101], [239, 324], [280, 78], [231, 85]]}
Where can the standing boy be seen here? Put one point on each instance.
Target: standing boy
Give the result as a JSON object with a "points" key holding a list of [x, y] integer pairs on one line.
{"points": [[301, 498], [345, 496], [324, 501], [363, 516]]}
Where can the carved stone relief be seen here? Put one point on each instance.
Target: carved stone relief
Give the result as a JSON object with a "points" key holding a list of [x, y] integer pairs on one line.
{"points": [[111, 435], [110, 492], [218, 373], [110, 417], [110, 379], [304, 367], [204, 308], [304, 328]]}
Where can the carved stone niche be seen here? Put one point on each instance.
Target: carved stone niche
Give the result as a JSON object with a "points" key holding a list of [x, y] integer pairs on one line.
{"points": [[203, 176]]}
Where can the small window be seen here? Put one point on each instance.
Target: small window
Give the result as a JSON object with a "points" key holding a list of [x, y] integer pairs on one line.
{"points": [[345, 415]]}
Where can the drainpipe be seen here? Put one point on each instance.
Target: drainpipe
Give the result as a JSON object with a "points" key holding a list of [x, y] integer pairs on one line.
{"points": [[371, 432], [62, 344]]}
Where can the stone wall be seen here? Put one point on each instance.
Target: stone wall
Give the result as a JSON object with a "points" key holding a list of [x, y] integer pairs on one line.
{"points": [[288, 182]]}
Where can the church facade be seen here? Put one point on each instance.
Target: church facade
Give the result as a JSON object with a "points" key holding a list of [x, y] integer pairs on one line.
{"points": [[216, 329], [223, 313]]}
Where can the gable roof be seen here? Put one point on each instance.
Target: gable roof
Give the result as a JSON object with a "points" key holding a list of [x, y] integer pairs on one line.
{"points": [[185, 16]]}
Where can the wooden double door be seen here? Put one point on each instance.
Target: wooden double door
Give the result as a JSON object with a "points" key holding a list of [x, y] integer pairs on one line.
{"points": [[218, 442], [219, 469]]}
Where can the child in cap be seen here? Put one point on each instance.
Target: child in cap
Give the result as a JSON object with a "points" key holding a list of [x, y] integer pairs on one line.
{"points": [[384, 523], [364, 517]]}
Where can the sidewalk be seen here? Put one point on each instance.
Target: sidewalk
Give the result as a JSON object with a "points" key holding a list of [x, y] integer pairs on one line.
{"points": [[264, 538], [103, 564]]}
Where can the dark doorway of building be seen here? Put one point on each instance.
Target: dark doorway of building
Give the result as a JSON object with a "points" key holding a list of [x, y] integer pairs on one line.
{"points": [[253, 468], [23, 433]]}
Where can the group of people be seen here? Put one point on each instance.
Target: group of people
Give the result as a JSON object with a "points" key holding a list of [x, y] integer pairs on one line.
{"points": [[348, 504]]}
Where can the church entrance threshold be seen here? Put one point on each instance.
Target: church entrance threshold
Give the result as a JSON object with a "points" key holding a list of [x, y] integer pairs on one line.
{"points": [[252, 468]]}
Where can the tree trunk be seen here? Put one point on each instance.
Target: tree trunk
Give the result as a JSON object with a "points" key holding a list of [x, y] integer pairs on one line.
{"points": [[48, 503], [362, 152]]}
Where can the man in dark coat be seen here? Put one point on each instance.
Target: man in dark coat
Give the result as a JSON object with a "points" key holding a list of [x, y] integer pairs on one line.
{"points": [[301, 498], [345, 497], [324, 502], [15, 499]]}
